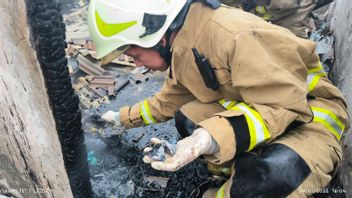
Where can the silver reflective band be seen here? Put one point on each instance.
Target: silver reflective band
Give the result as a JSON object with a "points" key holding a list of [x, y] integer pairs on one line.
{"points": [[227, 104], [145, 113], [314, 76], [259, 129], [329, 120]]}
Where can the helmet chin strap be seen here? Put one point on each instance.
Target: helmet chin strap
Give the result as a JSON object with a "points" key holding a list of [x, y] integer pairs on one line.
{"points": [[164, 51]]}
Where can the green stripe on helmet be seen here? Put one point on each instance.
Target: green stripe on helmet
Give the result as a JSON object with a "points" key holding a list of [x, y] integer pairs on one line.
{"points": [[109, 30]]}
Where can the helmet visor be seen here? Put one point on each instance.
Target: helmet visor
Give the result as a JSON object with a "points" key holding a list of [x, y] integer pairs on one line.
{"points": [[114, 54]]}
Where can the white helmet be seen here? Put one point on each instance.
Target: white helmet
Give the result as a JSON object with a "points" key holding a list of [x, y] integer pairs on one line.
{"points": [[116, 24]]}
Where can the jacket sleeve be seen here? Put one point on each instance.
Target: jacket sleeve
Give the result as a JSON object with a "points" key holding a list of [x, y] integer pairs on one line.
{"points": [[159, 108], [268, 70], [327, 102]]}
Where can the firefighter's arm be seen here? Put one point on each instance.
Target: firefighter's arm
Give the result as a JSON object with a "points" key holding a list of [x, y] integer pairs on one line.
{"points": [[158, 108], [267, 70]]}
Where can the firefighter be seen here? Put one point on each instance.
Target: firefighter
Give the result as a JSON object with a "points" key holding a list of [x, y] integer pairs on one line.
{"points": [[294, 15], [249, 96]]}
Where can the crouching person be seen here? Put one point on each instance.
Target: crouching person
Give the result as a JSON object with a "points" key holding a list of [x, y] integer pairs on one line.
{"points": [[249, 96]]}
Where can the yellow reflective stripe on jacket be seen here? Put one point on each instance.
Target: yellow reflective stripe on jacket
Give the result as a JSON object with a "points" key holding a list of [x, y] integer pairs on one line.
{"points": [[261, 10], [227, 104], [145, 113], [329, 120], [314, 75], [257, 128], [221, 192]]}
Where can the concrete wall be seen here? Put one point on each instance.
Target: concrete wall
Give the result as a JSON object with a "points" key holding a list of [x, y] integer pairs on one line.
{"points": [[341, 25], [31, 162]]}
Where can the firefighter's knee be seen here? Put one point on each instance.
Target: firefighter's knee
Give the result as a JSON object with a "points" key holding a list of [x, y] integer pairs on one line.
{"points": [[276, 172], [192, 113], [184, 125]]}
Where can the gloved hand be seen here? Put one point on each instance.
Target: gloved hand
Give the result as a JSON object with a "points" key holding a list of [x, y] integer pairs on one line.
{"points": [[187, 150], [112, 117]]}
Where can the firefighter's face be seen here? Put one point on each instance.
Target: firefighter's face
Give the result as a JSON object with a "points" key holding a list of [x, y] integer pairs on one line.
{"points": [[147, 57]]}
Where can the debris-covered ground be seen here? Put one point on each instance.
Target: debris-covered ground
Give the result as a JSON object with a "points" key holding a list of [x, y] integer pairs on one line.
{"points": [[324, 39], [116, 161], [116, 164]]}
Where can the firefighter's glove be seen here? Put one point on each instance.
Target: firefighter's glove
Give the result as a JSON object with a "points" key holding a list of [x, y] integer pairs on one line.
{"points": [[187, 150], [112, 117]]}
